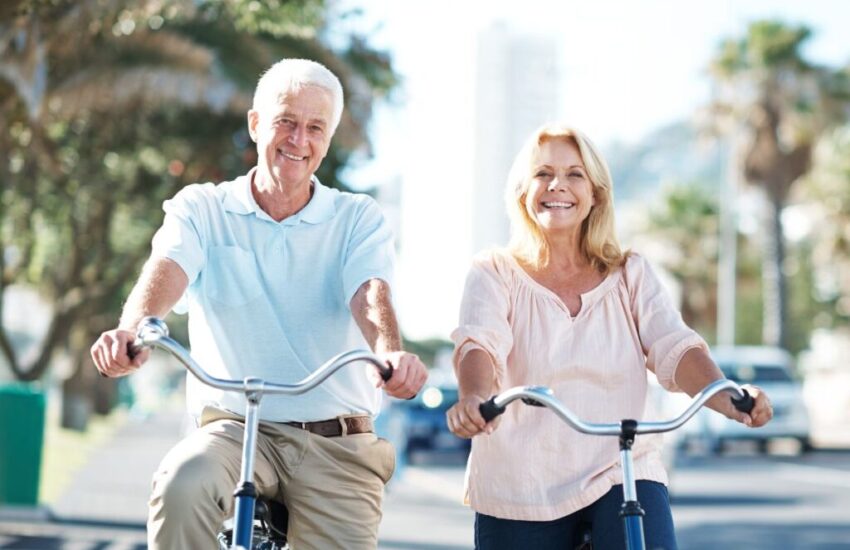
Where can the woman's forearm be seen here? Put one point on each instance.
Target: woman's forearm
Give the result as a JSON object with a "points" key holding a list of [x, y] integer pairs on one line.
{"points": [[697, 370], [476, 375]]}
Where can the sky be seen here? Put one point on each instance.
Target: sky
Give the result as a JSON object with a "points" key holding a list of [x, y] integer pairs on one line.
{"points": [[627, 67]]}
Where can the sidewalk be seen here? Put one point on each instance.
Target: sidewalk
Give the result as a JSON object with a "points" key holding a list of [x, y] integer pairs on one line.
{"points": [[105, 505], [113, 487]]}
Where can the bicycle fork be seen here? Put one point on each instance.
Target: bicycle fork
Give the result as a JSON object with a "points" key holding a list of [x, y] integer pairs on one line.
{"points": [[246, 492], [630, 511]]}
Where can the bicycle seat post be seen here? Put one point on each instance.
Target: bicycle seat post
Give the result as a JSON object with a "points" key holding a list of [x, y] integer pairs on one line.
{"points": [[631, 512], [246, 492]]}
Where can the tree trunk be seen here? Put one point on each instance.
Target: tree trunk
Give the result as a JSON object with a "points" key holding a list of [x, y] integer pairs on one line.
{"points": [[85, 392], [104, 391], [76, 401], [773, 278]]}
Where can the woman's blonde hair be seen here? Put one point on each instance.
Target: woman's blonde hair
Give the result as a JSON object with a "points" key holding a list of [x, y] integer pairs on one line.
{"points": [[598, 237]]}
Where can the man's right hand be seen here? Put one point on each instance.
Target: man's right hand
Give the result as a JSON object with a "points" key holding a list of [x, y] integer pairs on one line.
{"points": [[111, 356], [465, 420]]}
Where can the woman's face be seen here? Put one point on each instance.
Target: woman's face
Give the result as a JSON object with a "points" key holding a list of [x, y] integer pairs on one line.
{"points": [[560, 193]]}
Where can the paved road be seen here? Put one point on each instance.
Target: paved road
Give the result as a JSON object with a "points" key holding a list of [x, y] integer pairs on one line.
{"points": [[754, 502], [739, 501]]}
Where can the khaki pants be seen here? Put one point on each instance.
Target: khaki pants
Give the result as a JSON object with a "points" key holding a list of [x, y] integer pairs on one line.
{"points": [[332, 486]]}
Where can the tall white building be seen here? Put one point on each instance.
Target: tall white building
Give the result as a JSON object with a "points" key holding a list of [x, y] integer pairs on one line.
{"points": [[516, 91], [492, 90]]}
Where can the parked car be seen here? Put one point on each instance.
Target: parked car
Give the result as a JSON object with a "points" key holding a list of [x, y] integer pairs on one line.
{"points": [[425, 418], [772, 370]]}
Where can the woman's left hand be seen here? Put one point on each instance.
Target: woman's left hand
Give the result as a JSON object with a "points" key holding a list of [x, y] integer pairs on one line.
{"points": [[762, 409]]}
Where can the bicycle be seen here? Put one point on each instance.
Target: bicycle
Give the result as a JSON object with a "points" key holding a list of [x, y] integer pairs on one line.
{"points": [[270, 517], [626, 430]]}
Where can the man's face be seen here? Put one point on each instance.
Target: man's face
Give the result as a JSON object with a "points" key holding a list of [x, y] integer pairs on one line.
{"points": [[293, 136]]}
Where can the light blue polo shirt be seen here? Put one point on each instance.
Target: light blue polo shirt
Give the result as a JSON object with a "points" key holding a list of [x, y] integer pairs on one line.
{"points": [[271, 299]]}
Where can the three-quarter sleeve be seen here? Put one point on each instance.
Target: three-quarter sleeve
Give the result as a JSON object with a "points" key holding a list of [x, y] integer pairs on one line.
{"points": [[484, 316], [664, 336]]}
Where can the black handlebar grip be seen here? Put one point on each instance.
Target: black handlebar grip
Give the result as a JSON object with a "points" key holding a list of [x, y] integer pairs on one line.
{"points": [[387, 372], [489, 410], [744, 404], [133, 350]]}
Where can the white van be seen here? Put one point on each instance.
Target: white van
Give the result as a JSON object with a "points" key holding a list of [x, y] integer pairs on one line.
{"points": [[772, 370]]}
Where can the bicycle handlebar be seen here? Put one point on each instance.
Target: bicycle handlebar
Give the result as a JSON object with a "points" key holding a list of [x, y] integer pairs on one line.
{"points": [[542, 396], [153, 332]]}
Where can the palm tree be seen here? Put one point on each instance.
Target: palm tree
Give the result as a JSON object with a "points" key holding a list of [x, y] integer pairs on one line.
{"points": [[826, 193], [70, 98], [777, 103], [112, 106], [681, 235]]}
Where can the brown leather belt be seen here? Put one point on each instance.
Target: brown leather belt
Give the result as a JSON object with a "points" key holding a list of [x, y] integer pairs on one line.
{"points": [[335, 427]]}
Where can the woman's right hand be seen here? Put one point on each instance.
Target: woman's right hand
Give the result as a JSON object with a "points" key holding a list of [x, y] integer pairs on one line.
{"points": [[465, 420]]}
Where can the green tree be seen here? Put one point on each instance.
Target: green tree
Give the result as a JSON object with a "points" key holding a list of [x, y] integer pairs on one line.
{"points": [[826, 193], [777, 103], [111, 107], [685, 226], [684, 231]]}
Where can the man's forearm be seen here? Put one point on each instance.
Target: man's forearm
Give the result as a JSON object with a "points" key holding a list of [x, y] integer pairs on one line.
{"points": [[160, 285], [373, 312]]}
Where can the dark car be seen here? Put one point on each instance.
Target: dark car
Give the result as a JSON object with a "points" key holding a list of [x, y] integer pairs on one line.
{"points": [[425, 421]]}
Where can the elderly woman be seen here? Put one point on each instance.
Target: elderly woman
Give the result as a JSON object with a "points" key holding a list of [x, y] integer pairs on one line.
{"points": [[566, 307]]}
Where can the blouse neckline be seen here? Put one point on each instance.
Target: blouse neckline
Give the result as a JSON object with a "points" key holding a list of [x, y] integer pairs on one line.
{"points": [[587, 298]]}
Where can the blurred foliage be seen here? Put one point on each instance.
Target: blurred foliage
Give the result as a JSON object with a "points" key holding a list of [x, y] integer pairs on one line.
{"points": [[685, 229], [685, 225], [775, 104], [769, 44], [274, 17], [825, 192], [804, 310], [748, 294], [112, 106], [428, 349]]}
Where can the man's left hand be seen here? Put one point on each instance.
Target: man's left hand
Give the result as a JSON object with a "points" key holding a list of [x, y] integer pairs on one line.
{"points": [[409, 374]]}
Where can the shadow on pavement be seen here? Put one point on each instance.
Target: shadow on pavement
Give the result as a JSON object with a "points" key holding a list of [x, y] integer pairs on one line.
{"points": [[407, 545], [102, 524], [730, 500], [57, 543], [765, 536], [66, 533]]}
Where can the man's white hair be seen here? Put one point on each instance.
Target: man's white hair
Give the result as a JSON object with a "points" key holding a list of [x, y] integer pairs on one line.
{"points": [[291, 75]]}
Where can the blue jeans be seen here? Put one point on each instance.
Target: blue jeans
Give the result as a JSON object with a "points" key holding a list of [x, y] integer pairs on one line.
{"points": [[603, 515]]}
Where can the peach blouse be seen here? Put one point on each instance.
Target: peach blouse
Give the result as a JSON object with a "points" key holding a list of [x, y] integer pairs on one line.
{"points": [[534, 466]]}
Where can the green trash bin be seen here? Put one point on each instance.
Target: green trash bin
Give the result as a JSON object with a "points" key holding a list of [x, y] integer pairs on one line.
{"points": [[21, 439]]}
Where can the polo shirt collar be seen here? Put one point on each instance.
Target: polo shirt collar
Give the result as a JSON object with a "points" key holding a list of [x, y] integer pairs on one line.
{"points": [[238, 199], [321, 207]]}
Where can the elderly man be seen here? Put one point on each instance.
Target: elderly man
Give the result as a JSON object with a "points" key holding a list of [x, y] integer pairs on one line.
{"points": [[278, 273]]}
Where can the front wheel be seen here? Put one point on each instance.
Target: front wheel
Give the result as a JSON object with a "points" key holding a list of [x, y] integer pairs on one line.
{"points": [[262, 539]]}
